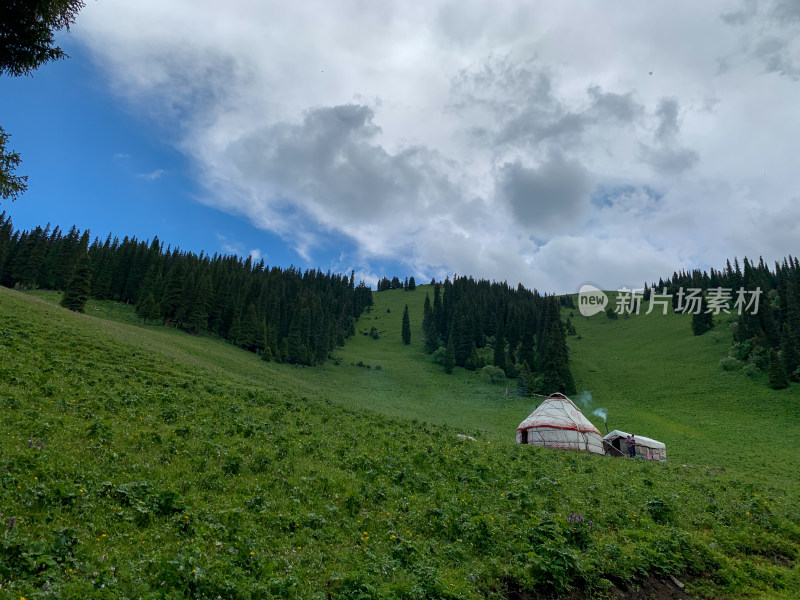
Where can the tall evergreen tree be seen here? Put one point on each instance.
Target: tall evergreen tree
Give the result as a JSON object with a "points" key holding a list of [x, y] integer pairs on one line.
{"points": [[78, 288], [429, 327], [702, 320], [778, 379], [406, 328], [525, 380], [499, 358], [147, 308], [449, 357]]}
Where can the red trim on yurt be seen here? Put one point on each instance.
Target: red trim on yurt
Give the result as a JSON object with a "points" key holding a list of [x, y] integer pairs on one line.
{"points": [[584, 430]]}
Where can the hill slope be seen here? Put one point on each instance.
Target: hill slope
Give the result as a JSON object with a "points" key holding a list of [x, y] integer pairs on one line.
{"points": [[144, 462], [651, 374]]}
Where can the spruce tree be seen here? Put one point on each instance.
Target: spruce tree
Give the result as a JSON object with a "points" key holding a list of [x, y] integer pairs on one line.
{"points": [[777, 373], [78, 287], [790, 349], [406, 332], [499, 359], [525, 379], [702, 321], [429, 327], [449, 358], [147, 308]]}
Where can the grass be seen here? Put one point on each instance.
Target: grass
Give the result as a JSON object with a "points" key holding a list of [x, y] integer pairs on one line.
{"points": [[651, 374], [144, 462]]}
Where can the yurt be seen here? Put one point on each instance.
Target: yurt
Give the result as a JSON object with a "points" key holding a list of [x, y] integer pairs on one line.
{"points": [[558, 423], [616, 444]]}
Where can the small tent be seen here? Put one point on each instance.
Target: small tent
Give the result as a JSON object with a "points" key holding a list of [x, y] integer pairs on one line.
{"points": [[616, 444], [558, 423]]}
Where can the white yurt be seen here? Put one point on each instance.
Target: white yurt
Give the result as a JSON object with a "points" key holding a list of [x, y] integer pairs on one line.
{"points": [[616, 444], [558, 423]]}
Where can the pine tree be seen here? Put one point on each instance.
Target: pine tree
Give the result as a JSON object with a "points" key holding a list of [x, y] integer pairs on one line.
{"points": [[147, 308], [249, 332], [412, 285], [449, 358], [790, 349], [406, 331], [525, 379], [79, 286], [553, 354], [429, 327], [702, 321], [499, 359], [777, 373]]}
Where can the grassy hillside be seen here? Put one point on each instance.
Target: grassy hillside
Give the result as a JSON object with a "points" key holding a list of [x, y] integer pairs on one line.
{"points": [[652, 375], [659, 380], [143, 462]]}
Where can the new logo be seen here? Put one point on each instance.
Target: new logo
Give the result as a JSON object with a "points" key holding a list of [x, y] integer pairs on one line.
{"points": [[591, 300]]}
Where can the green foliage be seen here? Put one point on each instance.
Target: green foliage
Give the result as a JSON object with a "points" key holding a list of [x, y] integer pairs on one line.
{"points": [[147, 308], [28, 27], [702, 320], [778, 379], [730, 363], [449, 361], [300, 316], [78, 287], [167, 465], [26, 42], [493, 374], [11, 185], [406, 328]]}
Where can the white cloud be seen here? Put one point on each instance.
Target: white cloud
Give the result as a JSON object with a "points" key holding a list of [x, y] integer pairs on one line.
{"points": [[255, 254], [548, 143], [152, 175]]}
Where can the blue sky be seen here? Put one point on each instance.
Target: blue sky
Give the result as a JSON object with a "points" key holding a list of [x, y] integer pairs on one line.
{"points": [[91, 162], [504, 140]]}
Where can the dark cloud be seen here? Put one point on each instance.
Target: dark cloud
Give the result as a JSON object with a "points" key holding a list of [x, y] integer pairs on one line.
{"points": [[329, 163], [775, 54], [667, 113], [527, 112], [518, 101], [619, 107], [550, 198], [666, 155], [505, 87], [742, 16], [786, 10], [772, 30], [669, 160]]}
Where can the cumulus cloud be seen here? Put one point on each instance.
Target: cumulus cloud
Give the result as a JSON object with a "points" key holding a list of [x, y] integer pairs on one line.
{"points": [[666, 155], [769, 37], [549, 198], [509, 142]]}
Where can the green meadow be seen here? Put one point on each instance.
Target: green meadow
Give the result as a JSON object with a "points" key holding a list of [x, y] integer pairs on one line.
{"points": [[140, 461], [651, 374]]}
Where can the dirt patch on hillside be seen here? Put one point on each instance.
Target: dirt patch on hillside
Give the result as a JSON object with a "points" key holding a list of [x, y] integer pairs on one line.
{"points": [[653, 588]]}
